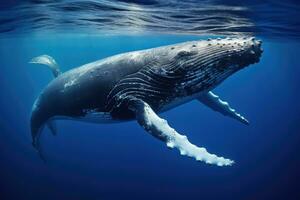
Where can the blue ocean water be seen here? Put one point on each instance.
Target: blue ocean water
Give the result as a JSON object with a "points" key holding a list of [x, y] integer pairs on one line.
{"points": [[122, 161]]}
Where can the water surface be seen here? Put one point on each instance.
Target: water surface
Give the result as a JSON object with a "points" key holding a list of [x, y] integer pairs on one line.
{"points": [[272, 18]]}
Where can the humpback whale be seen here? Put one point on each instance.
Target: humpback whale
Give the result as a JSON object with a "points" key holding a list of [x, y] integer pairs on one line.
{"points": [[139, 85]]}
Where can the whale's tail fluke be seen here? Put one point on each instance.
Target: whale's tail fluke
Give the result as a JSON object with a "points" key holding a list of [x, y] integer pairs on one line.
{"points": [[48, 61]]}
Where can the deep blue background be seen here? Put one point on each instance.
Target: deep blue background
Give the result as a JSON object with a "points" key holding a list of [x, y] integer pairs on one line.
{"points": [[122, 161]]}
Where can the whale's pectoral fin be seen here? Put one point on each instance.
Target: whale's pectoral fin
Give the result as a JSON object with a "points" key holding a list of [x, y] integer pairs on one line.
{"points": [[160, 129], [48, 61], [214, 102], [52, 127]]}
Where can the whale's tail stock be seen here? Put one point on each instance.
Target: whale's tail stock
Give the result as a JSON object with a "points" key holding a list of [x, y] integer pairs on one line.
{"points": [[37, 124], [49, 62], [40, 117]]}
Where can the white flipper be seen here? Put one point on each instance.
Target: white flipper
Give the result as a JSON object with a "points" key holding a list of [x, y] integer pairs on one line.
{"points": [[48, 61], [160, 129], [214, 102]]}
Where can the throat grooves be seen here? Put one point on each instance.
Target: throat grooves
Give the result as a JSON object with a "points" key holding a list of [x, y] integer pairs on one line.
{"points": [[154, 84]]}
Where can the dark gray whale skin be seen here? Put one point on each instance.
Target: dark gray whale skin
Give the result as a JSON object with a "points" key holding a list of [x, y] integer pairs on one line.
{"points": [[164, 77]]}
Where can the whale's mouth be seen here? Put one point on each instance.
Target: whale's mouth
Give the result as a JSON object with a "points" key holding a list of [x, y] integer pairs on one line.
{"points": [[249, 52], [232, 53], [210, 62], [241, 52]]}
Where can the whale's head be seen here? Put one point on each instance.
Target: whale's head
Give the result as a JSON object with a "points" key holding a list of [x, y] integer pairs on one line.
{"points": [[207, 63]]}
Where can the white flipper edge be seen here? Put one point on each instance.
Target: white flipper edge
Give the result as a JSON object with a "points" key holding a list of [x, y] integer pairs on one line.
{"points": [[160, 129], [214, 102], [48, 61]]}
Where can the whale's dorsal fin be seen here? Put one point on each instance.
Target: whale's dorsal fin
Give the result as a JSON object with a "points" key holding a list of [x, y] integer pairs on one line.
{"points": [[48, 61], [214, 102], [160, 129]]}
